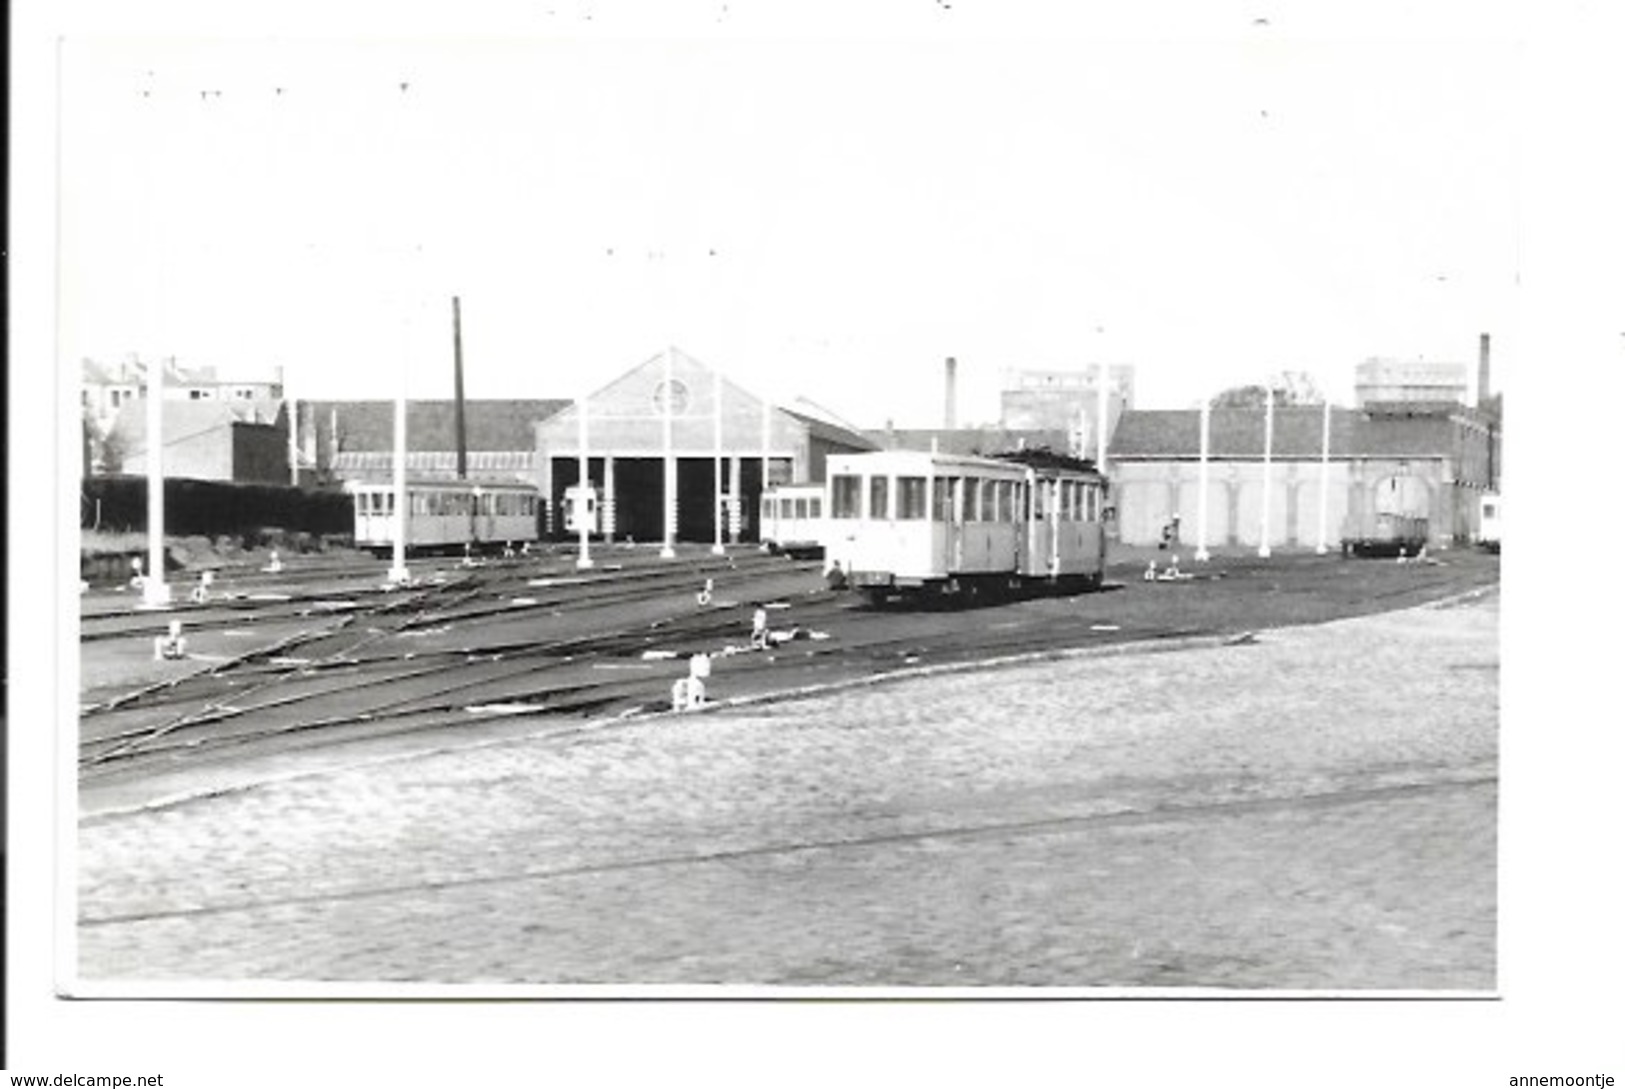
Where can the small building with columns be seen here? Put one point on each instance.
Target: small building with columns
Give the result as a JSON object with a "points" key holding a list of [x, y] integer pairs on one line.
{"points": [[653, 440], [1433, 460]]}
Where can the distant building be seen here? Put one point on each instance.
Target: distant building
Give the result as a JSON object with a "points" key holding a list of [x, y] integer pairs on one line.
{"points": [[1379, 381], [1066, 401], [1441, 457], [241, 441], [107, 388]]}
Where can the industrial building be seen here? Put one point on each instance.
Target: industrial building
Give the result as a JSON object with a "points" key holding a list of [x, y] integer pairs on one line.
{"points": [[355, 440], [1067, 401], [1430, 460]]}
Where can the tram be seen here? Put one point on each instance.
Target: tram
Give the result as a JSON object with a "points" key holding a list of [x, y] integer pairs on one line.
{"points": [[905, 523], [793, 519], [446, 515]]}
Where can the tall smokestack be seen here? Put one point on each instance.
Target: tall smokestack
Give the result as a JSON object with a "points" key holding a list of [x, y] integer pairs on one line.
{"points": [[1483, 368], [457, 354], [950, 394]]}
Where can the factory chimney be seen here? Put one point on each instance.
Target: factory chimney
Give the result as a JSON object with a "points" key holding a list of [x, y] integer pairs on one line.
{"points": [[1483, 368], [950, 394], [457, 354]]}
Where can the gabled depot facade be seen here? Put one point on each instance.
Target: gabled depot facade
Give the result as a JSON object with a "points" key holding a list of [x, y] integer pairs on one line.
{"points": [[629, 432]]}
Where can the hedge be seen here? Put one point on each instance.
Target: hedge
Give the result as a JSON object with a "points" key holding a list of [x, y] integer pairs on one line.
{"points": [[213, 508]]}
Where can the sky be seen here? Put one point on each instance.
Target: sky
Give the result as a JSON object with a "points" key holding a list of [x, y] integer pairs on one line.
{"points": [[820, 216]]}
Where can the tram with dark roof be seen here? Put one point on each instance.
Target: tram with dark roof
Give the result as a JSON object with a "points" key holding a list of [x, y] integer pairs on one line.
{"points": [[447, 515], [904, 523]]}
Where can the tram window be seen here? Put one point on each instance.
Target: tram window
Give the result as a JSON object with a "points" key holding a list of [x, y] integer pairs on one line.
{"points": [[815, 506], [942, 499], [1040, 492], [801, 510], [1092, 508], [911, 498], [978, 503], [878, 505], [1005, 511], [844, 492]]}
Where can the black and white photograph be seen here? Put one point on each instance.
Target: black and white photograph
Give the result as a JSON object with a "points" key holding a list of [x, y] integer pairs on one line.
{"points": [[585, 516]]}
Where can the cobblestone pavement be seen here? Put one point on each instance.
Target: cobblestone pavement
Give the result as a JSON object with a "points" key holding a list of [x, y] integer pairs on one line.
{"points": [[1312, 810]]}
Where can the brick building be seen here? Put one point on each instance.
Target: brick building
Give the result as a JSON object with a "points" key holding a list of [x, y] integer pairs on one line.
{"points": [[1433, 459]]}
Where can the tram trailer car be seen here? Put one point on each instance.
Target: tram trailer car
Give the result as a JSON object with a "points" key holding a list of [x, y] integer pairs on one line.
{"points": [[1489, 522], [1386, 533], [446, 515], [793, 520], [908, 523]]}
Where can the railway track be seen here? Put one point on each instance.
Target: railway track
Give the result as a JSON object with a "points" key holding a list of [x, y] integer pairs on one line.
{"points": [[506, 640]]}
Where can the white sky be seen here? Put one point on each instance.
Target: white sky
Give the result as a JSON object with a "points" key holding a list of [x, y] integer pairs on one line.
{"points": [[817, 216]]}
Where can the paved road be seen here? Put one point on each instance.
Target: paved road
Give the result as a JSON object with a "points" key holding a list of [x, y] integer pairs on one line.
{"points": [[1313, 810]]}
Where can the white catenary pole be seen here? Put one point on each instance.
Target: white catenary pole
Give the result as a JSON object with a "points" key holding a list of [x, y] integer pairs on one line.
{"points": [[397, 569], [155, 591], [583, 484], [767, 431], [1269, 438], [716, 414], [1201, 486], [1104, 399], [293, 437], [1325, 470], [667, 549]]}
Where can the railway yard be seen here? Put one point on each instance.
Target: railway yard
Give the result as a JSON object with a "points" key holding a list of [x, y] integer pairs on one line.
{"points": [[1275, 774]]}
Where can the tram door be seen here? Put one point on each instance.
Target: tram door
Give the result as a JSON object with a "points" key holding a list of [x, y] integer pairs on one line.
{"points": [[948, 507]]}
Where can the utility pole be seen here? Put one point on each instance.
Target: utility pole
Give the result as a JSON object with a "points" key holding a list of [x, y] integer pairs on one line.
{"points": [[457, 356], [154, 590], [1269, 437]]}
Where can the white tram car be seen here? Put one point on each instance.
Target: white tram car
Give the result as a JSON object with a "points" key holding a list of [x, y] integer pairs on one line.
{"points": [[793, 519], [907, 522], [445, 515]]}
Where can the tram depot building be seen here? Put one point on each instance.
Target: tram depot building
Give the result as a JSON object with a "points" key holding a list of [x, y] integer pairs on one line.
{"points": [[1430, 459], [626, 441]]}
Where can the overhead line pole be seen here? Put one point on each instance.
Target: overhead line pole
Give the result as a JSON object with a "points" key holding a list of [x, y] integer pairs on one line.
{"points": [[667, 551]]}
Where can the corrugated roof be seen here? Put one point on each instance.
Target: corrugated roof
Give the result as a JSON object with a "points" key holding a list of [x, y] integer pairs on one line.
{"points": [[969, 440], [431, 425], [829, 432], [373, 465], [1239, 433]]}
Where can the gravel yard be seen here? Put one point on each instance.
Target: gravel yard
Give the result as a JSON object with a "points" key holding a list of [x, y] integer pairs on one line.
{"points": [[1312, 809]]}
